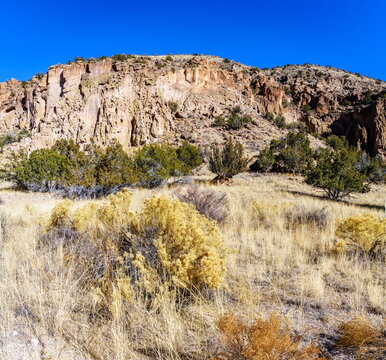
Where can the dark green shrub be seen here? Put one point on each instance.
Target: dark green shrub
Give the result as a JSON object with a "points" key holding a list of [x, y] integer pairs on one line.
{"points": [[98, 171], [169, 58], [300, 126], [264, 162], [236, 121], [368, 99], [219, 121], [189, 155], [293, 154], [12, 138], [335, 173], [269, 116], [119, 57], [79, 58], [279, 121], [114, 167], [122, 57], [307, 108], [173, 106], [44, 167], [227, 161], [156, 163], [374, 169], [160, 64], [22, 134], [226, 61]]}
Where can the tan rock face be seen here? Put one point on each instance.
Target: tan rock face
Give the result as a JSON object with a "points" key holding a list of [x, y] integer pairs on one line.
{"points": [[148, 99]]}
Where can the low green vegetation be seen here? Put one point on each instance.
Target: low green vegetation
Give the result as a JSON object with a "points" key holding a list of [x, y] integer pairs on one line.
{"points": [[121, 57], [338, 169], [12, 138], [173, 106], [292, 154], [278, 120], [234, 121], [227, 161], [95, 170]]}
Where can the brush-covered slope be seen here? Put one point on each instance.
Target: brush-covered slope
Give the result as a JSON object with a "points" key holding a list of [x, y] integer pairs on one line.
{"points": [[142, 99]]}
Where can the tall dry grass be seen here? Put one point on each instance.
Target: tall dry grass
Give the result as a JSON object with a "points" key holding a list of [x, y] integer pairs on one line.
{"points": [[284, 264]]}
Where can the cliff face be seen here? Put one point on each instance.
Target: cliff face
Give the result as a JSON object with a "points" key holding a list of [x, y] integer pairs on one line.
{"points": [[147, 99], [338, 102]]}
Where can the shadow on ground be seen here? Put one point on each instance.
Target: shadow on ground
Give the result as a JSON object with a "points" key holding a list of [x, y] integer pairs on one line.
{"points": [[321, 197]]}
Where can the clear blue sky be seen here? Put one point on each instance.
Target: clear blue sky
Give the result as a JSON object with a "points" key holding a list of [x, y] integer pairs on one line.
{"points": [[345, 34]]}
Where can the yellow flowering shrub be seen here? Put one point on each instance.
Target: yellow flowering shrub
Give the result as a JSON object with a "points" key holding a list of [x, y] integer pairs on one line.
{"points": [[104, 221], [189, 246], [166, 244], [366, 233], [60, 215], [113, 288]]}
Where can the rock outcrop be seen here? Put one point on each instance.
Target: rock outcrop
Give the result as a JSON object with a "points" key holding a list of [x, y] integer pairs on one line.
{"points": [[338, 102], [157, 98]]}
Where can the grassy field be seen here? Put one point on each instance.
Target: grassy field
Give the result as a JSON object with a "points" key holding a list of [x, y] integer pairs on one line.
{"points": [[281, 264]]}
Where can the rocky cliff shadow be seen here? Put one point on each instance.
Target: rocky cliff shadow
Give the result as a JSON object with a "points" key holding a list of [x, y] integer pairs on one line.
{"points": [[359, 128]]}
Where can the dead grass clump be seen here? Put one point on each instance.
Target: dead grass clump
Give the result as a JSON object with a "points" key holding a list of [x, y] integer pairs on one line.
{"points": [[210, 203], [269, 215], [300, 215], [368, 341], [365, 234], [264, 339]]}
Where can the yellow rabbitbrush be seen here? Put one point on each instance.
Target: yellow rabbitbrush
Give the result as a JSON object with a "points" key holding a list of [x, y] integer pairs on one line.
{"points": [[190, 252], [189, 245], [362, 232]]}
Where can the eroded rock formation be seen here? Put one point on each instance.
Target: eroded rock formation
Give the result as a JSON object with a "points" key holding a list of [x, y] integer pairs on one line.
{"points": [[156, 98]]}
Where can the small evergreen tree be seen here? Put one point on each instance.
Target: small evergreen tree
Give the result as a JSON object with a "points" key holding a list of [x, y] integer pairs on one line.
{"points": [[114, 167], [189, 155], [264, 162], [43, 167], [292, 154], [236, 121], [156, 163], [336, 174], [227, 161]]}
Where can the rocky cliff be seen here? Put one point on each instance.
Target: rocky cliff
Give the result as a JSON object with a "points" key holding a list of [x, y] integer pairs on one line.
{"points": [[143, 99]]}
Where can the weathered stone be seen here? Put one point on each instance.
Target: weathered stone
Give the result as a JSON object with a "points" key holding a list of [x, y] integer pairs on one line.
{"points": [[148, 99]]}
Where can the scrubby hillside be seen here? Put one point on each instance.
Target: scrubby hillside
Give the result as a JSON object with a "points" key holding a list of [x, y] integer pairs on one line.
{"points": [[143, 99]]}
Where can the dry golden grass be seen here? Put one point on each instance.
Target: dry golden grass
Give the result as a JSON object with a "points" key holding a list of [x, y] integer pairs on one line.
{"points": [[46, 312]]}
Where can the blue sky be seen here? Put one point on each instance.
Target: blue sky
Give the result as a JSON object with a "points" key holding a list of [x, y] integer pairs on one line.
{"points": [[345, 34]]}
